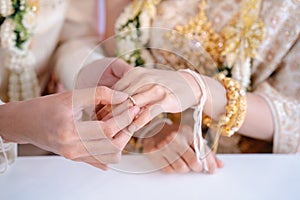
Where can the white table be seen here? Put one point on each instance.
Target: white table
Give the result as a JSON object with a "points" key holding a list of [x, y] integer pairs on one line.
{"points": [[244, 177]]}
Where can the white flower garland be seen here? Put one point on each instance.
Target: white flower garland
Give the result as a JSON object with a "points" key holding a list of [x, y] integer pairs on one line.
{"points": [[133, 33], [18, 24]]}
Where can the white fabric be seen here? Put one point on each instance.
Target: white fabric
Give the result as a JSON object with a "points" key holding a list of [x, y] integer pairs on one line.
{"points": [[67, 27], [246, 177], [101, 16]]}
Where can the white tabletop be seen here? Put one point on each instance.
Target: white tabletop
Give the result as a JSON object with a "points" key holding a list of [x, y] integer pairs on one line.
{"points": [[243, 177]]}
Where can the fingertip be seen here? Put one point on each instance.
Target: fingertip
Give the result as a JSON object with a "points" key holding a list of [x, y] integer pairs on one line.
{"points": [[220, 163], [168, 170]]}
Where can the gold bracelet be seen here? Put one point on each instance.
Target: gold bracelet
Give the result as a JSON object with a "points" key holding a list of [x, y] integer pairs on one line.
{"points": [[234, 116], [236, 107]]}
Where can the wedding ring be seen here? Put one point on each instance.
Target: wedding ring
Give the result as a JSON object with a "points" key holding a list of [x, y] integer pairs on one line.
{"points": [[132, 100]]}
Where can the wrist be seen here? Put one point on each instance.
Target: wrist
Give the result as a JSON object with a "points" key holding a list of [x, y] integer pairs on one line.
{"points": [[7, 121], [194, 85], [216, 98]]}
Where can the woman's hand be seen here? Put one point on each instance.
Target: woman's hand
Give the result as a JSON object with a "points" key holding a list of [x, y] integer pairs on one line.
{"points": [[54, 123], [172, 151], [157, 91], [105, 72]]}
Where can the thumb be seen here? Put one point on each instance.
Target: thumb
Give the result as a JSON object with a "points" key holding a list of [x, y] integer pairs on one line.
{"points": [[120, 68]]}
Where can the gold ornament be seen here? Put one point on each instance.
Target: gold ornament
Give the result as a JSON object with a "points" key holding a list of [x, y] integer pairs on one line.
{"points": [[200, 29], [235, 110], [244, 33]]}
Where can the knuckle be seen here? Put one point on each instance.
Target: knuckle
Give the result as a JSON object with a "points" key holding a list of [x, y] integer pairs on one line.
{"points": [[182, 168], [107, 130], [64, 137], [102, 90], [159, 90], [68, 153]]}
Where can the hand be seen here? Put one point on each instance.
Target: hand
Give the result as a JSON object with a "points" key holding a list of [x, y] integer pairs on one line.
{"points": [[157, 91], [172, 150], [104, 72], [54, 123]]}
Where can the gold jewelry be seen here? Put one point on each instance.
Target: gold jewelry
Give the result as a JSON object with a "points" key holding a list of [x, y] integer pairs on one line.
{"points": [[236, 44], [236, 108], [200, 29], [243, 35]]}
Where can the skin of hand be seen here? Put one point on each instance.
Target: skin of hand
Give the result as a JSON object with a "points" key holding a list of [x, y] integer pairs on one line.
{"points": [[156, 91], [102, 72], [105, 72], [172, 150], [54, 123]]}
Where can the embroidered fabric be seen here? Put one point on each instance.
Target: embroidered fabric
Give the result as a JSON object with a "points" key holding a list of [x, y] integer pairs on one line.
{"points": [[277, 66]]}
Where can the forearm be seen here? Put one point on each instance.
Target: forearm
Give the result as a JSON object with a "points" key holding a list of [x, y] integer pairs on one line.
{"points": [[7, 111]]}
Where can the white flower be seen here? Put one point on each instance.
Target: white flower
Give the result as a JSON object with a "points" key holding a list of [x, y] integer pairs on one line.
{"points": [[29, 20], [6, 8], [7, 34]]}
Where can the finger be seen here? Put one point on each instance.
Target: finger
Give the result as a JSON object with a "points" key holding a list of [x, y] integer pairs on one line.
{"points": [[122, 139], [99, 165], [211, 162], [131, 77], [180, 166], [149, 96], [116, 110], [96, 130], [102, 159], [92, 161], [97, 95], [157, 158], [148, 114], [114, 125], [168, 170], [187, 132], [105, 113], [148, 145], [220, 163], [119, 68], [139, 87], [191, 160], [109, 158]]}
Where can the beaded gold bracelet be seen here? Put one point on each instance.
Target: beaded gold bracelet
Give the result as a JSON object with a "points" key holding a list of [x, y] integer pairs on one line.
{"points": [[234, 116]]}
